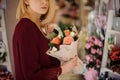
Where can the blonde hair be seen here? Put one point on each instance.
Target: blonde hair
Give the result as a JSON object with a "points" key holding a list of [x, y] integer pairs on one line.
{"points": [[22, 8]]}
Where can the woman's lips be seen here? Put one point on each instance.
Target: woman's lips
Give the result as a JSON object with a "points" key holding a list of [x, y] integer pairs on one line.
{"points": [[43, 7]]}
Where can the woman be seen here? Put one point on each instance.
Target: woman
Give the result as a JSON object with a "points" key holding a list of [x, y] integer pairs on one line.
{"points": [[30, 44]]}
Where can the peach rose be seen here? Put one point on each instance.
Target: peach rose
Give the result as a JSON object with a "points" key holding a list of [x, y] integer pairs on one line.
{"points": [[68, 40], [67, 32], [56, 40]]}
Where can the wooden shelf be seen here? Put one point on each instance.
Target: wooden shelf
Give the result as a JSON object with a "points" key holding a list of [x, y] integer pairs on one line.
{"points": [[109, 31], [113, 32]]}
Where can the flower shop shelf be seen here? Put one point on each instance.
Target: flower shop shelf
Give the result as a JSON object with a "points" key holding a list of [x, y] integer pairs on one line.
{"points": [[113, 29], [113, 32], [111, 73]]}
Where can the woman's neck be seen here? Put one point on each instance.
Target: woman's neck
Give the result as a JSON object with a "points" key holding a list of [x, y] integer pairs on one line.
{"points": [[33, 16]]}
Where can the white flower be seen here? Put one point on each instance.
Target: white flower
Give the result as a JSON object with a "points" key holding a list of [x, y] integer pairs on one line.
{"points": [[2, 50], [54, 49], [2, 47], [72, 34]]}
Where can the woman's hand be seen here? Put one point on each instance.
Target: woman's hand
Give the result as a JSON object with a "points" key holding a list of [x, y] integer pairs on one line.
{"points": [[69, 65]]}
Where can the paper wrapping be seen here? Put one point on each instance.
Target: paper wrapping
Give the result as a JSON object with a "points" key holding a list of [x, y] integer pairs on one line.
{"points": [[65, 53]]}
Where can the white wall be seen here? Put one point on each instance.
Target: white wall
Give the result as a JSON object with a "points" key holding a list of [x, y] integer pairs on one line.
{"points": [[10, 24]]}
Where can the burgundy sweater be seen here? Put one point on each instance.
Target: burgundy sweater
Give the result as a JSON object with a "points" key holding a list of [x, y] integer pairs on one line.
{"points": [[29, 50]]}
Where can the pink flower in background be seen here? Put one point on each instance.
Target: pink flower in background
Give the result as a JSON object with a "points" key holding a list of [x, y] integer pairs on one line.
{"points": [[96, 42], [91, 59], [93, 48], [100, 44], [94, 37], [98, 66], [87, 46], [100, 52], [89, 39], [88, 75], [68, 40], [88, 58], [98, 61], [91, 44], [93, 51]]}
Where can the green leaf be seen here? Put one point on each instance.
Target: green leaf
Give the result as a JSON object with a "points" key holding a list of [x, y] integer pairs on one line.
{"points": [[3, 58], [52, 45], [62, 26], [69, 27], [75, 38], [53, 35]]}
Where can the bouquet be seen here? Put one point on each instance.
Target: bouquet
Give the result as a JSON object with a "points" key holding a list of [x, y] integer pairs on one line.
{"points": [[115, 59], [114, 55], [63, 44], [93, 47]]}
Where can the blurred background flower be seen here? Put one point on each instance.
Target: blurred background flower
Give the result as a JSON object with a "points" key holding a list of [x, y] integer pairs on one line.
{"points": [[93, 48]]}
